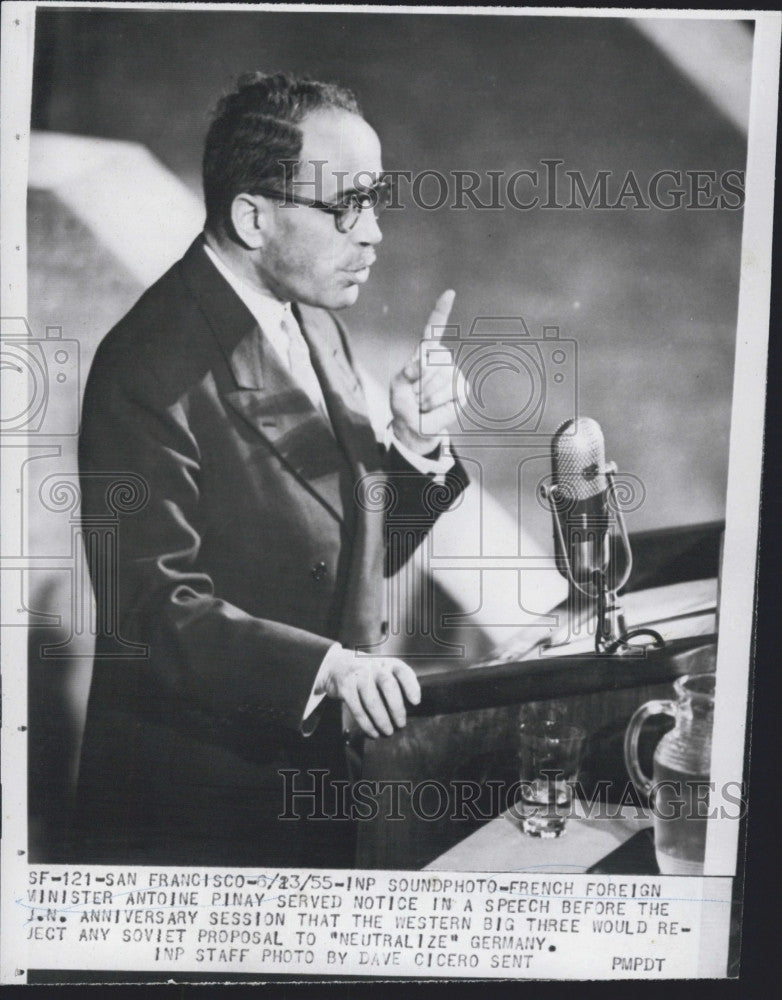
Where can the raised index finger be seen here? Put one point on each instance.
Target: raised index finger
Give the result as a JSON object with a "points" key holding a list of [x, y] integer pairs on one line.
{"points": [[439, 315]]}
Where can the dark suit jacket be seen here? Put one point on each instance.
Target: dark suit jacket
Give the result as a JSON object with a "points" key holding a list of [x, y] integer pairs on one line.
{"points": [[245, 558]]}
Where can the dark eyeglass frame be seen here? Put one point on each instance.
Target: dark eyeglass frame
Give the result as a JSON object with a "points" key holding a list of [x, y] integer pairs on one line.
{"points": [[377, 197]]}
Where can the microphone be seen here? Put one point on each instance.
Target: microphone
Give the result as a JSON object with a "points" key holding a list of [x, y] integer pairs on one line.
{"points": [[580, 492], [585, 513]]}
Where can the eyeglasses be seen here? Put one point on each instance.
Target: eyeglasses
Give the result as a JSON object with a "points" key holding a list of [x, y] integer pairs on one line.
{"points": [[347, 210]]}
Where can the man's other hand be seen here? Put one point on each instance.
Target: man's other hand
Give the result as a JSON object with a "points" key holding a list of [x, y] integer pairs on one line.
{"points": [[374, 688], [422, 396]]}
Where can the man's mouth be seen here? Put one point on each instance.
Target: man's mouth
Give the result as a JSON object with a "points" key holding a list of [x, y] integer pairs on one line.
{"points": [[360, 273]]}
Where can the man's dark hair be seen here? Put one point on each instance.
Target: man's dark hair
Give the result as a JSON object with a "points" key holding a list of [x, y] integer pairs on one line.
{"points": [[254, 128]]}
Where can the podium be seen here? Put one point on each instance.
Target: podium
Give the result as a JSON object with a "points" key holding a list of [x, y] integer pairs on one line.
{"points": [[464, 730]]}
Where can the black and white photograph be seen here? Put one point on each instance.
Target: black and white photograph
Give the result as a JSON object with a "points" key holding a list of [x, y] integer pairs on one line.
{"points": [[382, 423]]}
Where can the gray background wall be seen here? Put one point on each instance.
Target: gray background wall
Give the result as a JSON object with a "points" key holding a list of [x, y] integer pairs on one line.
{"points": [[649, 296]]}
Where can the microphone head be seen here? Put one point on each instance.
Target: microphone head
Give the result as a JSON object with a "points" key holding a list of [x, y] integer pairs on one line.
{"points": [[578, 459]]}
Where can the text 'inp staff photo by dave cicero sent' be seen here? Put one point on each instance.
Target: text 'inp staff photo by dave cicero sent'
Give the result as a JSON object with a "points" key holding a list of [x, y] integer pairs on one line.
{"points": [[382, 423]]}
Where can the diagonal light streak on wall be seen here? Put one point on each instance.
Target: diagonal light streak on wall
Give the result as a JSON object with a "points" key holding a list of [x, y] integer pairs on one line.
{"points": [[141, 212], [716, 56]]}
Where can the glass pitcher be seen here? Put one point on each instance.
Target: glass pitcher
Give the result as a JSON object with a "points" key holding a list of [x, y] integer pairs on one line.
{"points": [[679, 788]]}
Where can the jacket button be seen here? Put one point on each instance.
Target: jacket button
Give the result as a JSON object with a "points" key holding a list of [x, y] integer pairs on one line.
{"points": [[319, 572]]}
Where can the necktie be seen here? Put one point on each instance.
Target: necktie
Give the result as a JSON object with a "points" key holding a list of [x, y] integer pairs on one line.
{"points": [[302, 372], [300, 367], [300, 363]]}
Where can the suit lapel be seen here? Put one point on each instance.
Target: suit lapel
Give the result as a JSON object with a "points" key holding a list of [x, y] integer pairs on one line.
{"points": [[262, 392]]}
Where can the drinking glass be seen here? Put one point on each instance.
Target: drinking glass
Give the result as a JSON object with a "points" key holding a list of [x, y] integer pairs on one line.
{"points": [[550, 747]]}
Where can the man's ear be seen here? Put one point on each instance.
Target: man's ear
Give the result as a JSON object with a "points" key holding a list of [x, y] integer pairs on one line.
{"points": [[250, 215]]}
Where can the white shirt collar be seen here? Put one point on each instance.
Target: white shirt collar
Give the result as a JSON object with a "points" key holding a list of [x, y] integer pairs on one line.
{"points": [[267, 311]]}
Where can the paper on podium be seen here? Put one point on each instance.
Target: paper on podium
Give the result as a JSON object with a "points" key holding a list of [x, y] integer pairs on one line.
{"points": [[501, 846], [676, 611]]}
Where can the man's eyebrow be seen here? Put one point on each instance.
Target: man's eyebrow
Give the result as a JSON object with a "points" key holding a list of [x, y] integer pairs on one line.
{"points": [[363, 189]]}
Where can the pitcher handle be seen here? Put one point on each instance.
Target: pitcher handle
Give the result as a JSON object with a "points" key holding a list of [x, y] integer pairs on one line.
{"points": [[640, 780]]}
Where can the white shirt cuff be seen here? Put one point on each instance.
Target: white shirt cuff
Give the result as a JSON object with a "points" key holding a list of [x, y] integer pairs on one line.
{"points": [[434, 466], [318, 693]]}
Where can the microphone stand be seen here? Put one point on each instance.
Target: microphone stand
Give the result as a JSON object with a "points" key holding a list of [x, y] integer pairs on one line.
{"points": [[611, 635]]}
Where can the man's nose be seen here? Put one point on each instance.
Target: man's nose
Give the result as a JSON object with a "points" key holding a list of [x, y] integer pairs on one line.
{"points": [[367, 230]]}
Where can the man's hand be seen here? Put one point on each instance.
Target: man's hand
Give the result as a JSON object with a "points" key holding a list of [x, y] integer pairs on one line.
{"points": [[425, 391], [374, 689]]}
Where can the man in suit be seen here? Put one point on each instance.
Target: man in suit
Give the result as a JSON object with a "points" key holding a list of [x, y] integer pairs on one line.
{"points": [[248, 577]]}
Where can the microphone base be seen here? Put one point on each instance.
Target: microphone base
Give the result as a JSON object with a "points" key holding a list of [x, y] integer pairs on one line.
{"points": [[611, 625], [612, 636], [604, 611], [623, 647]]}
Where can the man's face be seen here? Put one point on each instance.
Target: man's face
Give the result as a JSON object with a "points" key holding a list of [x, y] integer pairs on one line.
{"points": [[304, 257]]}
